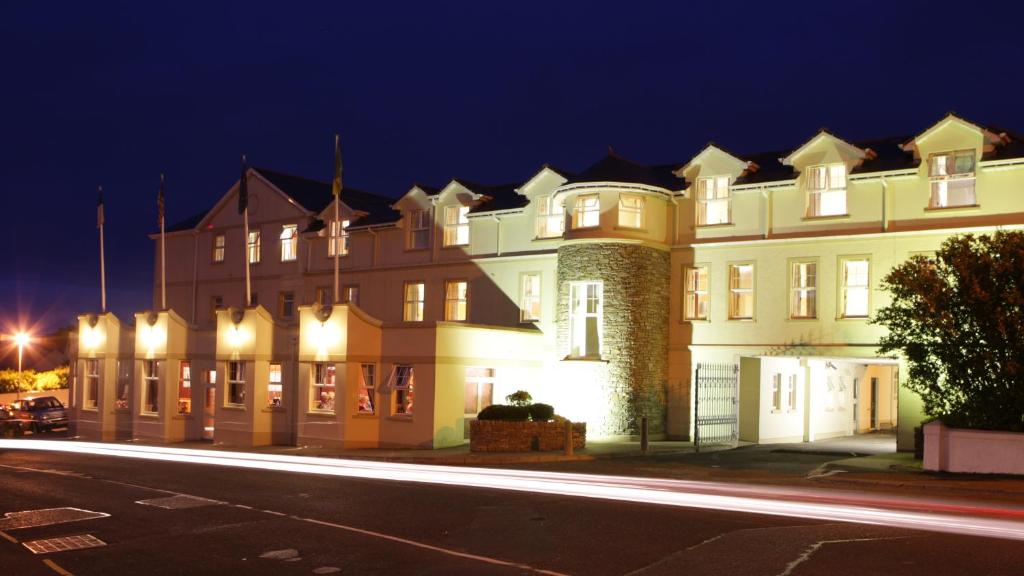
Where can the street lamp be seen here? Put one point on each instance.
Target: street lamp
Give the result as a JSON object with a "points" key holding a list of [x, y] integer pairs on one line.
{"points": [[21, 339]]}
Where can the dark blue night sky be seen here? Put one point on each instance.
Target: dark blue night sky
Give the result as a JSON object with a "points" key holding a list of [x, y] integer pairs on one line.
{"points": [[115, 94]]}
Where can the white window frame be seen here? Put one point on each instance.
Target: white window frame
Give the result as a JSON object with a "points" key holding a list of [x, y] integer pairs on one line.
{"points": [[587, 211], [253, 247], [419, 229], [334, 241], [714, 201], [323, 387], [943, 173], [530, 297], [366, 399], [150, 387], [456, 300], [91, 397], [413, 301], [235, 387], [776, 396], [275, 385], [220, 242], [403, 382], [696, 292], [185, 383], [791, 386], [289, 242], [803, 286], [823, 190], [478, 379], [581, 296], [456, 226], [350, 294], [737, 291], [632, 211], [846, 288], [550, 216]]}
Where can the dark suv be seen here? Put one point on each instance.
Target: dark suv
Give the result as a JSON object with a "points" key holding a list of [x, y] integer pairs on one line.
{"points": [[43, 414]]}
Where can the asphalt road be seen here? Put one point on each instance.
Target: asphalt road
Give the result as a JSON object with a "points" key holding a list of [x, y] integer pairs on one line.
{"points": [[309, 524]]}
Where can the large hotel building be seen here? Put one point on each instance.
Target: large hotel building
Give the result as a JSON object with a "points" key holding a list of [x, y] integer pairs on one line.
{"points": [[744, 283]]}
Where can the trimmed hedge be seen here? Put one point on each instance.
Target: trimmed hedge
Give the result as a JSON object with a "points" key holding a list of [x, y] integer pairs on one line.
{"points": [[540, 412], [537, 412]]}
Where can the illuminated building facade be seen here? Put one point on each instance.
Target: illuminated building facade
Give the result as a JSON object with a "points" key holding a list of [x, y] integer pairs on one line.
{"points": [[598, 291]]}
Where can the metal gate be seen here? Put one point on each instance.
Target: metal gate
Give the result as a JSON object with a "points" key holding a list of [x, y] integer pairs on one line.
{"points": [[715, 404]]}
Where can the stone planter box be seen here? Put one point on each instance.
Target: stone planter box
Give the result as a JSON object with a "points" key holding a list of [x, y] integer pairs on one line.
{"points": [[510, 436], [975, 451]]}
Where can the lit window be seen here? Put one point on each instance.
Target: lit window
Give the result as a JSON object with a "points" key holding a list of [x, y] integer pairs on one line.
{"points": [[253, 247], [185, 388], [826, 190], [324, 295], [456, 225], [631, 211], [714, 204], [219, 242], [150, 386], [585, 308], [952, 179], [124, 383], [402, 379], [289, 242], [419, 229], [236, 383], [803, 286], [350, 294], [367, 385], [321, 397], [338, 241], [741, 291], [413, 309], [92, 384], [529, 304], [479, 390], [696, 293], [456, 294], [855, 287], [776, 392], [588, 211], [275, 386], [550, 217], [791, 393], [286, 304]]}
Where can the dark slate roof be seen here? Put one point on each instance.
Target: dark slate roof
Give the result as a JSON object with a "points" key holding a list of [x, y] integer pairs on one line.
{"points": [[187, 224], [379, 217], [315, 195], [1013, 148], [770, 168], [499, 196], [889, 155], [428, 190], [613, 168]]}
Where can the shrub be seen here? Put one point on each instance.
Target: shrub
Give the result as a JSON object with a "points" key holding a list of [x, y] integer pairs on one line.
{"points": [[32, 380], [541, 412], [519, 398], [504, 412]]}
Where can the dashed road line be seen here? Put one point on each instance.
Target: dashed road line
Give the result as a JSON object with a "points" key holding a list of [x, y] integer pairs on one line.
{"points": [[274, 513]]}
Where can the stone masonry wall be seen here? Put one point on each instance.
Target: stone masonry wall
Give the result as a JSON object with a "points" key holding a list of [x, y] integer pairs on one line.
{"points": [[635, 329], [505, 436]]}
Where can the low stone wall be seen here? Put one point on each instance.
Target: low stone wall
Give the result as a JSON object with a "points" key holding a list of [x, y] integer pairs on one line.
{"points": [[508, 436], [974, 451]]}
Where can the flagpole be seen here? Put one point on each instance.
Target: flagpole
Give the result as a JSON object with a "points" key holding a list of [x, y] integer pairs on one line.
{"points": [[337, 240], [163, 250], [243, 198], [103, 265]]}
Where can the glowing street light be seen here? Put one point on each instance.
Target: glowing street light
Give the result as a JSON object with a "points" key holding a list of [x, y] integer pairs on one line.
{"points": [[21, 339]]}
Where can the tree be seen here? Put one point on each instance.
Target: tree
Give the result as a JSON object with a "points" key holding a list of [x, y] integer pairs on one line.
{"points": [[959, 321]]}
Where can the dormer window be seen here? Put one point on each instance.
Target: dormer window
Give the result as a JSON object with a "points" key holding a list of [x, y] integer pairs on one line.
{"points": [[456, 225], [952, 179], [588, 211], [550, 217], [826, 190], [714, 204], [419, 229], [631, 211]]}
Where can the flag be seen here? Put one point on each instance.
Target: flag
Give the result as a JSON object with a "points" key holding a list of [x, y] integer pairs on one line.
{"points": [[99, 209], [336, 185], [160, 203], [243, 189]]}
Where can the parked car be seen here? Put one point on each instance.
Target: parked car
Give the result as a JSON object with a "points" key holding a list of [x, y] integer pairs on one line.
{"points": [[42, 414], [11, 426]]}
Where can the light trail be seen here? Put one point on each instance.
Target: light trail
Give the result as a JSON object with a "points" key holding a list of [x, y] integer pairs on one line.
{"points": [[894, 511]]}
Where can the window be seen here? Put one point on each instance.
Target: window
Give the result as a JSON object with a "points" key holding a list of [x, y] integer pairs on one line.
{"points": [[826, 190], [631, 211], [339, 241], [403, 385], [952, 179], [216, 303], [855, 287], [350, 294], [696, 293], [236, 383], [275, 387], [529, 297], [150, 386], [289, 242], [456, 294], [321, 397], [776, 392], [124, 381], [479, 390], [741, 291], [550, 217], [588, 211], [92, 384], [324, 295], [286, 304], [791, 393], [253, 247], [219, 243], [585, 308], [185, 388], [211, 377], [456, 225], [413, 309], [367, 385], [714, 204], [804, 289], [419, 230]]}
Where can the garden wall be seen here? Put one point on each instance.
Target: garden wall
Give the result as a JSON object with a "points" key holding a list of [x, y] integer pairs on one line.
{"points": [[973, 451], [510, 436]]}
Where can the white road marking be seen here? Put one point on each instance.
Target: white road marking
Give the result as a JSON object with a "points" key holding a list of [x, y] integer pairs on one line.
{"points": [[814, 548]]}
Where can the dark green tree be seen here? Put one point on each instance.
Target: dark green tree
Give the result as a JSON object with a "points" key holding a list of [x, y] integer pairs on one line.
{"points": [[958, 319]]}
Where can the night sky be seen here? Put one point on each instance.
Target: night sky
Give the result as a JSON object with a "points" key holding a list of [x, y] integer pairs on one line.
{"points": [[102, 93]]}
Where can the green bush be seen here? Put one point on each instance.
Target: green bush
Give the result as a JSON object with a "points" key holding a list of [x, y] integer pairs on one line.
{"points": [[519, 398], [504, 412], [31, 380], [541, 412]]}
